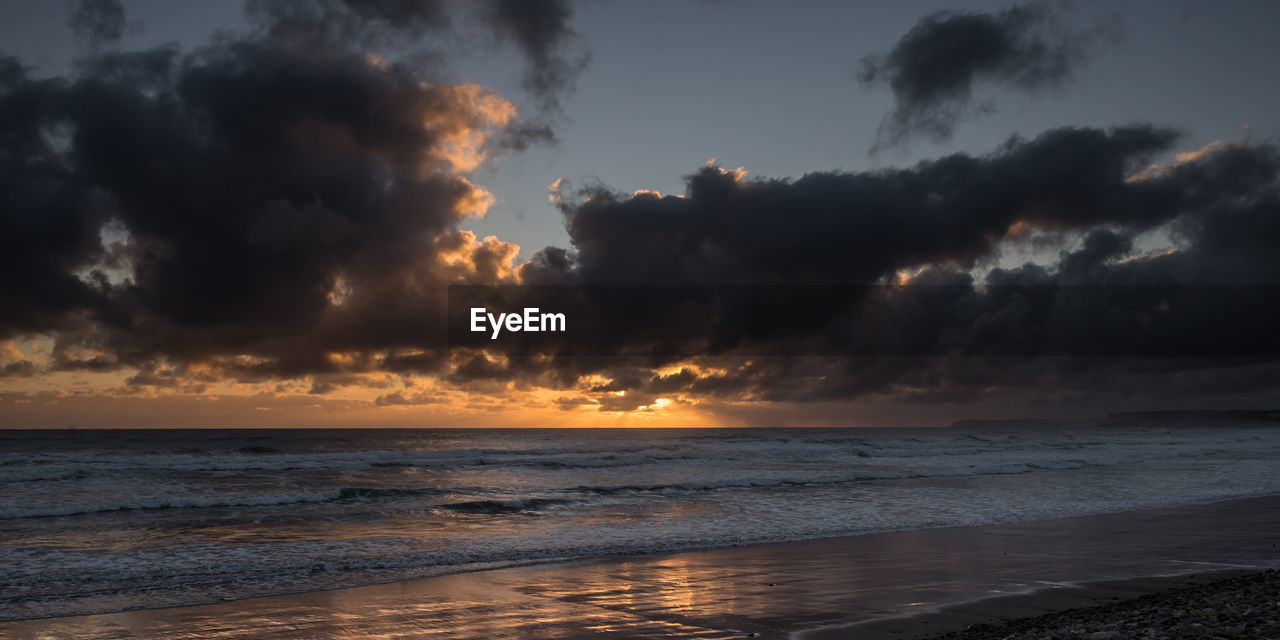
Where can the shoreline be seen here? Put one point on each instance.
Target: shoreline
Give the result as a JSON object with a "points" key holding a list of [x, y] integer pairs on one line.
{"points": [[802, 589]]}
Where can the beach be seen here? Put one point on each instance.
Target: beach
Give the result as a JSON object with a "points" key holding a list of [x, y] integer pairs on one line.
{"points": [[811, 589], [1213, 605]]}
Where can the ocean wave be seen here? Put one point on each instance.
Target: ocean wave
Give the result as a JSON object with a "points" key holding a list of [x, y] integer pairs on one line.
{"points": [[271, 459], [45, 509], [829, 448], [1004, 469], [503, 506]]}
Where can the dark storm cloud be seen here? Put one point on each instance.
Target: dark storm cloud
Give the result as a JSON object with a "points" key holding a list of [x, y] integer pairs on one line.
{"points": [[412, 14], [540, 28], [934, 69], [49, 221], [19, 369], [860, 227], [260, 195], [280, 194], [405, 399], [363, 23], [935, 222], [97, 22]]}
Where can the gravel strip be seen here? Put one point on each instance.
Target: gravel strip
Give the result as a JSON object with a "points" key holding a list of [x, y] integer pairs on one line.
{"points": [[1241, 607]]}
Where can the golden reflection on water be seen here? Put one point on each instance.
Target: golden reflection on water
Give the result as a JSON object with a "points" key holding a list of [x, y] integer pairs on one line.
{"points": [[656, 597], [722, 594]]}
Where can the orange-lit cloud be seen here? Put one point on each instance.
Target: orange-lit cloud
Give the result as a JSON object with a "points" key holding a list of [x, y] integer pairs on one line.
{"points": [[1185, 157]]}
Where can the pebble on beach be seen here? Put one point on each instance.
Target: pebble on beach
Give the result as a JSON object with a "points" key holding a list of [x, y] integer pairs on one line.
{"points": [[1242, 607]]}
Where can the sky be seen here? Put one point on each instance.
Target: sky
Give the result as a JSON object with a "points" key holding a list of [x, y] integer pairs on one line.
{"points": [[248, 214]]}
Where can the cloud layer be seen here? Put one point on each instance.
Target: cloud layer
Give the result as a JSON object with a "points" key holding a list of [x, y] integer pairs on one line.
{"points": [[935, 224], [261, 203], [283, 206], [97, 22], [934, 69]]}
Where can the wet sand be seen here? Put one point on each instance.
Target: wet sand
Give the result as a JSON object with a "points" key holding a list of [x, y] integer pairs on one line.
{"points": [[813, 589]]}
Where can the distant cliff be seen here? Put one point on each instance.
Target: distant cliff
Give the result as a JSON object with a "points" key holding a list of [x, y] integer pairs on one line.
{"points": [[1189, 418], [1201, 418]]}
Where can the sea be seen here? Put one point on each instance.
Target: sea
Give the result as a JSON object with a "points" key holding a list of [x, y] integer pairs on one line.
{"points": [[103, 521]]}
